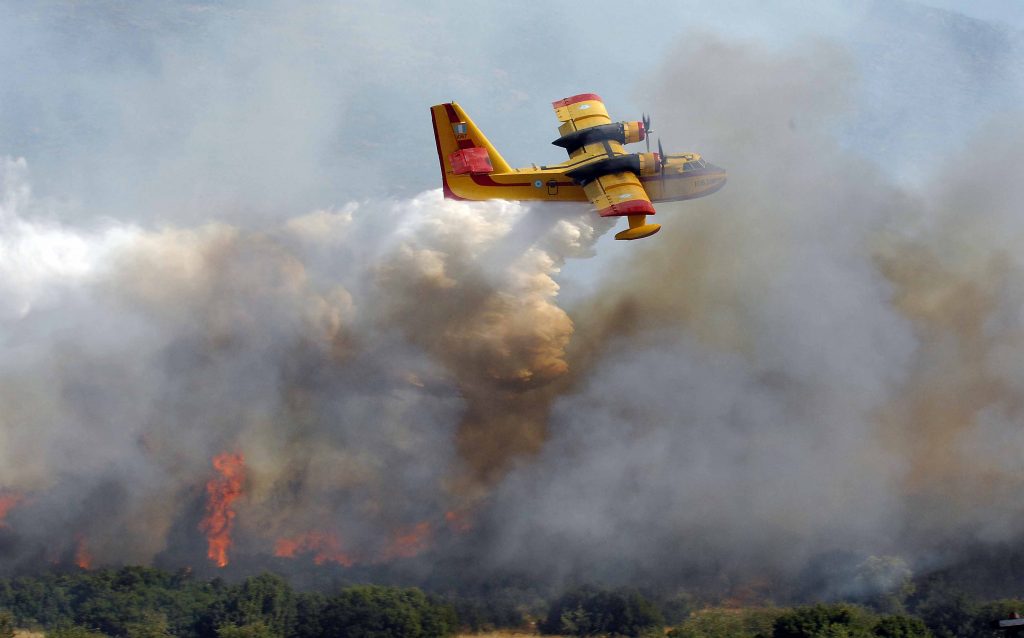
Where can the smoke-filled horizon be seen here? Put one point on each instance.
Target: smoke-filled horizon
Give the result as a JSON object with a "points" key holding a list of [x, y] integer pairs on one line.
{"points": [[819, 359]]}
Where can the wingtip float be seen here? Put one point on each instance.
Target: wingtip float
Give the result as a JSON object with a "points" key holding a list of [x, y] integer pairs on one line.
{"points": [[599, 169]]}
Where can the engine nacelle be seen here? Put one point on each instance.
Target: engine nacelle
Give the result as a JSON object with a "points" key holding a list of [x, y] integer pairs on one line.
{"points": [[624, 132], [633, 132], [641, 164], [650, 163]]}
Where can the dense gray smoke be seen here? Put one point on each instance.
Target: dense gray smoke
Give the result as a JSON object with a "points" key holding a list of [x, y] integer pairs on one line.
{"points": [[338, 358], [733, 373], [818, 359], [811, 361]]}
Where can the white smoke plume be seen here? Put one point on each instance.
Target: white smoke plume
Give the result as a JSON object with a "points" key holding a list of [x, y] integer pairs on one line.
{"points": [[338, 353]]}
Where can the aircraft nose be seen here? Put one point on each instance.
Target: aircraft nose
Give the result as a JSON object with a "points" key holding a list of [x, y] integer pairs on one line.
{"points": [[719, 177]]}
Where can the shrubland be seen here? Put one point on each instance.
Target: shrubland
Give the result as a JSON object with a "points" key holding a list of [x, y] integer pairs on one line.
{"points": [[142, 602]]}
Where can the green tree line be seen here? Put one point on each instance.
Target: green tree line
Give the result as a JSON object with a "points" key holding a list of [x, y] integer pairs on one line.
{"points": [[140, 602]]}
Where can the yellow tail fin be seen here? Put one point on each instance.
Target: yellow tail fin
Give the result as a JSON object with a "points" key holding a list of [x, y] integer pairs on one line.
{"points": [[457, 137]]}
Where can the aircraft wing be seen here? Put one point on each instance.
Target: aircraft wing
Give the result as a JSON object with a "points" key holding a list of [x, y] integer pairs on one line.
{"points": [[618, 194], [588, 133], [622, 194], [586, 130], [581, 111]]}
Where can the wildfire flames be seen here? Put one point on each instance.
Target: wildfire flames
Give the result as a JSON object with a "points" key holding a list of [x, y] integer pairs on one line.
{"points": [[82, 556], [7, 501], [222, 492], [325, 548], [406, 542], [409, 542], [458, 521]]}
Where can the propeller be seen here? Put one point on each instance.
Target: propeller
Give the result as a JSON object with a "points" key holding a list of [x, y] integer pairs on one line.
{"points": [[662, 161], [647, 130]]}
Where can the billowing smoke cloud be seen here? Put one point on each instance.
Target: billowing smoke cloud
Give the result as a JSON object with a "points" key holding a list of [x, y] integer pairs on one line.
{"points": [[818, 359], [350, 355], [726, 416], [958, 277], [811, 362]]}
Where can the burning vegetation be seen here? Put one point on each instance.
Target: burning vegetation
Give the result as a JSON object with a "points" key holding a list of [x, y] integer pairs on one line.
{"points": [[404, 542], [323, 547], [222, 491], [8, 500], [83, 559], [409, 541]]}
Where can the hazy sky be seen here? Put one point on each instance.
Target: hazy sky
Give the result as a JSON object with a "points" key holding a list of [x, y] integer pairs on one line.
{"points": [[1009, 12], [156, 110], [179, 112]]}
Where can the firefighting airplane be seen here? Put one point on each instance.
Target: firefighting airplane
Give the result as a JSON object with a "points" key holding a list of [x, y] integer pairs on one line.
{"points": [[599, 169]]}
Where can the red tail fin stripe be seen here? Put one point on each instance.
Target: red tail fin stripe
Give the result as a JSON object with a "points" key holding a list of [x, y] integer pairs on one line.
{"points": [[453, 117], [448, 194]]}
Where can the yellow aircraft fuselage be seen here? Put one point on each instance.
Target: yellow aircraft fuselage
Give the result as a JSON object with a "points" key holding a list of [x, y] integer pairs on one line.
{"points": [[683, 176]]}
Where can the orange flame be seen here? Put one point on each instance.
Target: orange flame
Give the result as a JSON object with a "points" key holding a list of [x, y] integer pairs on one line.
{"points": [[325, 547], [458, 521], [8, 500], [409, 541], [220, 518], [82, 556]]}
